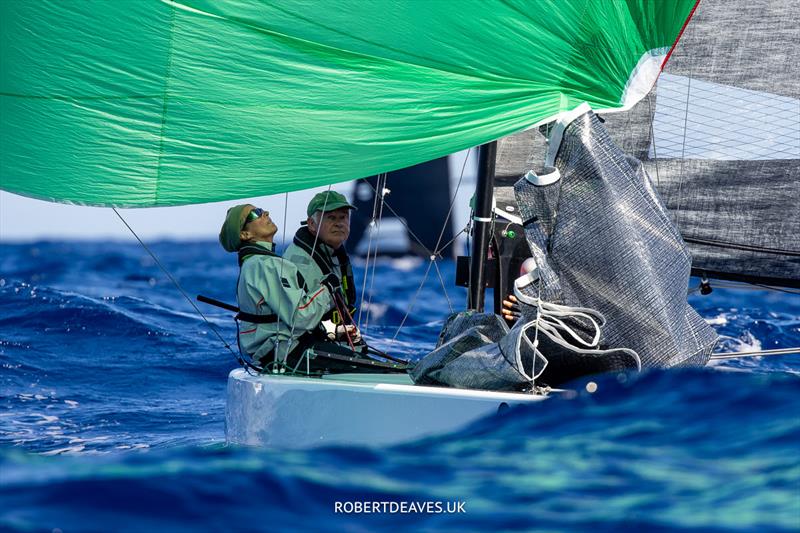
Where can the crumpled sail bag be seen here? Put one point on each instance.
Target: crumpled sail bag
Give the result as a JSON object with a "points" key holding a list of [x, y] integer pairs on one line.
{"points": [[602, 240], [610, 287]]}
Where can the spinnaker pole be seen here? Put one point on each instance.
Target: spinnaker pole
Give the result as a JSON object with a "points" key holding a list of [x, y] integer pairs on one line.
{"points": [[482, 219]]}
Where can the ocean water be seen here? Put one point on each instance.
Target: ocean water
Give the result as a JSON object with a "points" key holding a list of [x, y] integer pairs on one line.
{"points": [[113, 396]]}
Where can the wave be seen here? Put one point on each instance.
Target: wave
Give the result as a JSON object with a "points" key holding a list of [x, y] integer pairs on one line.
{"points": [[113, 396], [604, 460]]}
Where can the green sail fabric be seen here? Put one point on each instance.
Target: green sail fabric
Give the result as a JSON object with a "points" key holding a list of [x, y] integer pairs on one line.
{"points": [[140, 103]]}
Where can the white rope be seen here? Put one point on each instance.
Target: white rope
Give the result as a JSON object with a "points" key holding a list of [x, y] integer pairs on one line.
{"points": [[549, 322], [551, 315]]}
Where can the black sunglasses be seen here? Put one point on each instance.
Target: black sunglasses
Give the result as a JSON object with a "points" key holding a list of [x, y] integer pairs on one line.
{"points": [[255, 214]]}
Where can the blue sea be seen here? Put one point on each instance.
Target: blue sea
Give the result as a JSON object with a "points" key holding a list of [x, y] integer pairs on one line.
{"points": [[113, 399]]}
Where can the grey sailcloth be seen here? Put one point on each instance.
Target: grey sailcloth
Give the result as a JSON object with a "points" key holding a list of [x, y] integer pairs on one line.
{"points": [[609, 292], [477, 351], [603, 240], [719, 136]]}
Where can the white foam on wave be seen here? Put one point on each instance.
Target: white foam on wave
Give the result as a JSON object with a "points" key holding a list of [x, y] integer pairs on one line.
{"points": [[81, 440], [139, 446], [374, 310], [45, 419], [748, 343], [68, 449], [720, 320]]}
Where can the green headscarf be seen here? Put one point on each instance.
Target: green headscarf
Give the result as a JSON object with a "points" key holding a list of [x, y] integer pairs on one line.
{"points": [[234, 220]]}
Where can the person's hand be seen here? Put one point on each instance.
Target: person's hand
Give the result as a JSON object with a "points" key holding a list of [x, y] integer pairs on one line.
{"points": [[339, 332], [342, 332], [333, 283], [510, 309]]}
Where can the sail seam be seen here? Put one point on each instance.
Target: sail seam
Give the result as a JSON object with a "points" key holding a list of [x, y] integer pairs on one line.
{"points": [[164, 101], [73, 98]]}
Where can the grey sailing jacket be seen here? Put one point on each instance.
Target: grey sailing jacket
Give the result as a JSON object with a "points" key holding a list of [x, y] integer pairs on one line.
{"points": [[267, 285]]}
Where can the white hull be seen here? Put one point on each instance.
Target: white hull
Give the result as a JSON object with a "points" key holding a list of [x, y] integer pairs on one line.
{"points": [[365, 410]]}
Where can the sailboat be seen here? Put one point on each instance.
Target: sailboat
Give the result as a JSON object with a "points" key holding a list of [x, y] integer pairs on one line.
{"points": [[177, 102], [413, 225]]}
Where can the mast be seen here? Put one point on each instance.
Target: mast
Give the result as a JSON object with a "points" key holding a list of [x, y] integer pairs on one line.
{"points": [[484, 193]]}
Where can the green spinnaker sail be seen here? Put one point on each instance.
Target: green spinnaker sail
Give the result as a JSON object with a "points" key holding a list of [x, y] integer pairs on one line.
{"points": [[139, 103]]}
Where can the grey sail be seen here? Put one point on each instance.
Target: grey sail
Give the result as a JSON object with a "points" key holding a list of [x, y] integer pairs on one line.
{"points": [[719, 136], [609, 290]]}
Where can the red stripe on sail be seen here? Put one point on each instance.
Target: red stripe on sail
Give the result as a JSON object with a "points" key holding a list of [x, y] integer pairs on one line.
{"points": [[680, 34]]}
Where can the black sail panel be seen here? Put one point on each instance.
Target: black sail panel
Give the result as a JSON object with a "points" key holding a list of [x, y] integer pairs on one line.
{"points": [[417, 207]]}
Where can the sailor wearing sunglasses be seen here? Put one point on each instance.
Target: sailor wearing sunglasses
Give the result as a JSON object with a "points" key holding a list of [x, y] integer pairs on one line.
{"points": [[279, 315]]}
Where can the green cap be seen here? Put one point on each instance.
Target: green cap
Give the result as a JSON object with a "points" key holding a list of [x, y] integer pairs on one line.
{"points": [[327, 201], [234, 220]]}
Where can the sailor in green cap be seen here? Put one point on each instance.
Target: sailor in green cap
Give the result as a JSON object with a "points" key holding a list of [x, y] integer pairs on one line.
{"points": [[280, 312], [318, 251]]}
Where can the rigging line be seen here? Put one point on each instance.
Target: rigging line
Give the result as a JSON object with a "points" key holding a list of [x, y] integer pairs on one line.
{"points": [[779, 289], [753, 353], [413, 301], [313, 249], [653, 131], [751, 286], [433, 255], [377, 214], [441, 280], [745, 285], [177, 285], [403, 222], [280, 302], [745, 247], [370, 227], [448, 243], [247, 365], [683, 145], [439, 250], [408, 228], [382, 179], [452, 202]]}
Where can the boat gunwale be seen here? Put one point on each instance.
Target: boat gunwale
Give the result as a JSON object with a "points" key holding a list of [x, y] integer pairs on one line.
{"points": [[315, 383]]}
